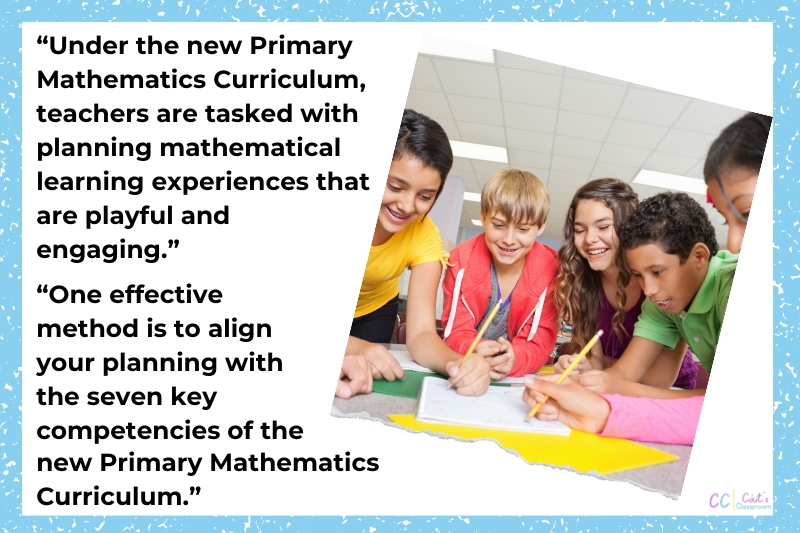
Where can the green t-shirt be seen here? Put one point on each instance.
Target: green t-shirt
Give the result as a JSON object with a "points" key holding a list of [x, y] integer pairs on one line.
{"points": [[701, 324]]}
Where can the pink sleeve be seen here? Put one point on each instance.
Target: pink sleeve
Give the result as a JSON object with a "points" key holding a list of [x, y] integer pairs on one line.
{"points": [[650, 420]]}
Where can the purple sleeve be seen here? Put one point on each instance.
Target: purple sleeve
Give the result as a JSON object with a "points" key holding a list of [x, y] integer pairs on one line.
{"points": [[650, 420]]}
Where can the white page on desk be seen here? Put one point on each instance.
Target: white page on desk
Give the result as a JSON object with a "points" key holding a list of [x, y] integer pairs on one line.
{"points": [[499, 408], [404, 358]]}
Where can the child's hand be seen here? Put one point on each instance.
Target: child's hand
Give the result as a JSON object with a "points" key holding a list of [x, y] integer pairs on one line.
{"points": [[470, 378], [565, 360], [384, 365], [488, 348], [355, 376], [502, 363], [569, 403], [601, 382]]}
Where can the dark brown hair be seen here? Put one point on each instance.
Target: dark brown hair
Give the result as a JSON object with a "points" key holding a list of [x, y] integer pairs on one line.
{"points": [[578, 286], [671, 220], [422, 138], [741, 144]]}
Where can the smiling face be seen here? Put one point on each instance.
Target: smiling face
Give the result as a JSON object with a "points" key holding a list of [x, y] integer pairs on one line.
{"points": [[508, 242], [410, 191], [668, 283], [740, 184], [594, 235]]}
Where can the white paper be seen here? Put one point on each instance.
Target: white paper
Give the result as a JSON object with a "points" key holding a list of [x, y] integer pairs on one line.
{"points": [[404, 358], [500, 408]]}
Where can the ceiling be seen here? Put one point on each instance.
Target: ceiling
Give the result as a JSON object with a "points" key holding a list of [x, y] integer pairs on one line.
{"points": [[566, 126]]}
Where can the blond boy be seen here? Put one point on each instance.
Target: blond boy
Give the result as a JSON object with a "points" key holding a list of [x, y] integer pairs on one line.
{"points": [[504, 264]]}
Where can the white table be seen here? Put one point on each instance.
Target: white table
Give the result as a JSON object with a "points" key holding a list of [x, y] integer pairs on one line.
{"points": [[667, 478]]}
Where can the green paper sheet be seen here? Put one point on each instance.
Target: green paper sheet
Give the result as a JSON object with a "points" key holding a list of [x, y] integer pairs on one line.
{"points": [[408, 388]]}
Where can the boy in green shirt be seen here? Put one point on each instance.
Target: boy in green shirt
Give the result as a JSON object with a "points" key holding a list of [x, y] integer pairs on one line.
{"points": [[672, 250]]}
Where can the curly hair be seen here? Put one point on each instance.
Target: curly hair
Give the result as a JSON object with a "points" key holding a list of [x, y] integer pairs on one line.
{"points": [[671, 220], [420, 137], [578, 287]]}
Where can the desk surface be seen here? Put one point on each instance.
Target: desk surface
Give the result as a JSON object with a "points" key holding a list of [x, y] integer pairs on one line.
{"points": [[666, 477]]}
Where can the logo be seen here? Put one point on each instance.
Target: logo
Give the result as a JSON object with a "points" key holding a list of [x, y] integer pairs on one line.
{"points": [[741, 501]]}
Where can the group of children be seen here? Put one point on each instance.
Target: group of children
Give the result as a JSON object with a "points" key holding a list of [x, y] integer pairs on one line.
{"points": [[649, 274]]}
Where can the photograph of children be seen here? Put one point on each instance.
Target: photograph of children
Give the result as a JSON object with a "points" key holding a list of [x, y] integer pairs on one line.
{"points": [[529, 206]]}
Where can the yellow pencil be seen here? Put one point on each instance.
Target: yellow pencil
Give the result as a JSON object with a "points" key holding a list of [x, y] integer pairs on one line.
{"points": [[566, 372], [479, 336], [482, 331]]}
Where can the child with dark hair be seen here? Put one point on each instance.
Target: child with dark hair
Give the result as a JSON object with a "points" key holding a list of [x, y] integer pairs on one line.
{"points": [[405, 237], [595, 288], [672, 251], [731, 172]]}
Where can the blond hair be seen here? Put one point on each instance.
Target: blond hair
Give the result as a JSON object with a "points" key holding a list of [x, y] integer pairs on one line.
{"points": [[518, 195]]}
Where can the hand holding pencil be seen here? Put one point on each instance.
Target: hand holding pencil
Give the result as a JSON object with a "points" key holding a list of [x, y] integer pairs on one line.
{"points": [[566, 372], [500, 356], [470, 376], [570, 403]]}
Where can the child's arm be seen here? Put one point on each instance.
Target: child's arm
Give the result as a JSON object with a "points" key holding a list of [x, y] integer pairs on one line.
{"points": [[637, 359], [664, 370], [424, 344], [671, 421], [603, 382], [643, 419], [654, 332], [597, 361], [625, 375]]}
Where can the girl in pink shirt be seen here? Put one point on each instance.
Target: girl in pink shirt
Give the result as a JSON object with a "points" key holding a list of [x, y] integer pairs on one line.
{"points": [[611, 415]]}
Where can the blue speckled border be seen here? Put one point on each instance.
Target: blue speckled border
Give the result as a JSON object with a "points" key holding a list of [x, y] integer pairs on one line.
{"points": [[786, 125]]}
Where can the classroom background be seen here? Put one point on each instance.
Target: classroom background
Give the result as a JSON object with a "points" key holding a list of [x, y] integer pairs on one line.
{"points": [[564, 125]]}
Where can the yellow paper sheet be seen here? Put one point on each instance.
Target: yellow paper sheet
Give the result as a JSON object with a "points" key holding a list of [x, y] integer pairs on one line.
{"points": [[582, 451]]}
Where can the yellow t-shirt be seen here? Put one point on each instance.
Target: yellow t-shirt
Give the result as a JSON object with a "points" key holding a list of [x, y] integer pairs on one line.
{"points": [[419, 242]]}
